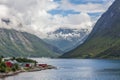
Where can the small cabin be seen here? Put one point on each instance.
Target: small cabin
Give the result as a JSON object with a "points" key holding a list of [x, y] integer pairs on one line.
{"points": [[42, 65], [27, 65], [9, 64]]}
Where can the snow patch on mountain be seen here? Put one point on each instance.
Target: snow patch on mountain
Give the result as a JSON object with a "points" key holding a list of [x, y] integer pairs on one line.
{"points": [[67, 39]]}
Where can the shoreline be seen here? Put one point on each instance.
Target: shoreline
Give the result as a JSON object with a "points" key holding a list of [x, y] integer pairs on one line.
{"points": [[4, 75]]}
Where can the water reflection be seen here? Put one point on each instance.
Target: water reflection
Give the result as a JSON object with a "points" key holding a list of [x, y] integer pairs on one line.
{"points": [[74, 69]]}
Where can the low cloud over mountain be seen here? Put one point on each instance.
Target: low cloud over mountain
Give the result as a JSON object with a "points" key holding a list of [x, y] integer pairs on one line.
{"points": [[41, 17]]}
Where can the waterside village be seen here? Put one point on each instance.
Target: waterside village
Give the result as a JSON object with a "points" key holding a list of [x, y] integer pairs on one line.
{"points": [[13, 66]]}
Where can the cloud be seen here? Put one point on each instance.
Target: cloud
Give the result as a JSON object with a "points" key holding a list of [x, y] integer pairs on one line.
{"points": [[28, 13], [4, 11], [87, 7], [32, 15], [46, 23], [5, 15]]}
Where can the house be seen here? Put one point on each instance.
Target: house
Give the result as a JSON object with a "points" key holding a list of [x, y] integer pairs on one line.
{"points": [[9, 64], [6, 59], [27, 64], [42, 65]]}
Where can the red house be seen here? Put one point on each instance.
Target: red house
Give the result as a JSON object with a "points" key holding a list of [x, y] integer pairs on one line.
{"points": [[42, 65], [27, 65], [8, 64]]}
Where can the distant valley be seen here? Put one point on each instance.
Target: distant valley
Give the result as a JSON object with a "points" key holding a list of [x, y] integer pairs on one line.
{"points": [[67, 39]]}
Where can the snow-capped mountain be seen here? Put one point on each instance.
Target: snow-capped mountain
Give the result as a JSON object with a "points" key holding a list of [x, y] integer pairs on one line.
{"points": [[67, 39]]}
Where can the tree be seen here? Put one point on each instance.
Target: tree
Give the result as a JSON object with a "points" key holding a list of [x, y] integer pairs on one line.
{"points": [[3, 67], [1, 57]]}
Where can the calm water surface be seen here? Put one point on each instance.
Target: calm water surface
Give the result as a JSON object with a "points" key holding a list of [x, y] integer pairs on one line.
{"points": [[74, 69]]}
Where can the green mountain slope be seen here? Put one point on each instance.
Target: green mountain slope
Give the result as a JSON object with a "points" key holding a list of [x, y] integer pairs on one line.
{"points": [[104, 40], [15, 43]]}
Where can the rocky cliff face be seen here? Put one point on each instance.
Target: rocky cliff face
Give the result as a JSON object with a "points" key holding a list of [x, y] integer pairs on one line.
{"points": [[104, 40]]}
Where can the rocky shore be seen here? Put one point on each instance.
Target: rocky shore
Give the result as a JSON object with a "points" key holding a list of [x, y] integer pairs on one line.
{"points": [[3, 75]]}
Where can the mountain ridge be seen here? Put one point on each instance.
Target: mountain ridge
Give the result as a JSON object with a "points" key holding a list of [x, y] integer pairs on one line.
{"points": [[67, 39], [104, 40], [16, 43]]}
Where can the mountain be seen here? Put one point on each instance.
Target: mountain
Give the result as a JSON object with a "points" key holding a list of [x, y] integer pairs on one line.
{"points": [[104, 40], [17, 42], [67, 39]]}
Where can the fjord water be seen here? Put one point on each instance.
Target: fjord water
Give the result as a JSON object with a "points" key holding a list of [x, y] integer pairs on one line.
{"points": [[74, 69]]}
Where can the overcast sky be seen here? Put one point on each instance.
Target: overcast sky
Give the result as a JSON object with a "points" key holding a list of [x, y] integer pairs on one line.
{"points": [[43, 16]]}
